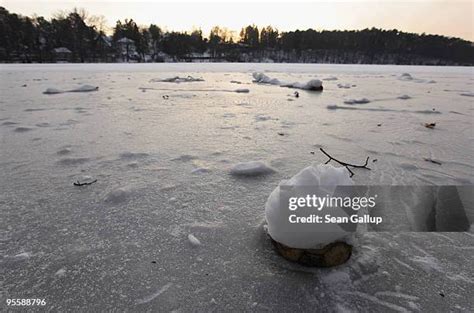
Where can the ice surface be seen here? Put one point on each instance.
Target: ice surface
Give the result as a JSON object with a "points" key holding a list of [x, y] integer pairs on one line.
{"points": [[108, 248], [324, 175]]}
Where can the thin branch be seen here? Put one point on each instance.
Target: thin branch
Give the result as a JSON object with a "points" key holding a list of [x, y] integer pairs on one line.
{"points": [[84, 184], [346, 165]]}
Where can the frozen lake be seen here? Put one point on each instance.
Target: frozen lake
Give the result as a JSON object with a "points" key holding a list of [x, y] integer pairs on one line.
{"points": [[162, 152]]}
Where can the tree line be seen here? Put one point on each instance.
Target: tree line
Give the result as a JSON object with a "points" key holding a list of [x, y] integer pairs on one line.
{"points": [[83, 38]]}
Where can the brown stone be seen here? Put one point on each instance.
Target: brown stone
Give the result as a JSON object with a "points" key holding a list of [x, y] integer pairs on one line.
{"points": [[333, 254]]}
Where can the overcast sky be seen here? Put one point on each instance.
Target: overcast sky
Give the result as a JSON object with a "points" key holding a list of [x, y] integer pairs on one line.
{"points": [[451, 17]]}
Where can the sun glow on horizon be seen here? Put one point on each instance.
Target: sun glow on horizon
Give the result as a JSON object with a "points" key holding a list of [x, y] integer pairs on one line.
{"points": [[449, 18]]}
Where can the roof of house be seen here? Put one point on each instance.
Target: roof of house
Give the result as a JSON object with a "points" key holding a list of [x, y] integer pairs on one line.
{"points": [[125, 40], [61, 50]]}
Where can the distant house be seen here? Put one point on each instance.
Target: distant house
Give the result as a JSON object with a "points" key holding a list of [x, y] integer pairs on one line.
{"points": [[104, 51], [62, 54], [127, 50]]}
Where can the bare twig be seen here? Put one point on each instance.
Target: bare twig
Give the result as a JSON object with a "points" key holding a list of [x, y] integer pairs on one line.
{"points": [[84, 184], [346, 165], [432, 161]]}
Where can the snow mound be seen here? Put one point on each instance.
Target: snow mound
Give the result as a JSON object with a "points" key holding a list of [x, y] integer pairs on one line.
{"points": [[404, 97], [73, 161], [261, 78], [64, 151], [178, 79], [84, 179], [52, 91], [193, 240], [251, 168], [409, 77], [60, 273], [23, 129], [262, 117], [344, 86], [23, 256], [83, 88], [327, 178], [200, 170], [357, 101], [118, 195], [314, 84], [133, 155], [406, 76]]}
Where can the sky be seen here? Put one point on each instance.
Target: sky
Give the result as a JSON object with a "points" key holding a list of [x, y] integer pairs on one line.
{"points": [[444, 17]]}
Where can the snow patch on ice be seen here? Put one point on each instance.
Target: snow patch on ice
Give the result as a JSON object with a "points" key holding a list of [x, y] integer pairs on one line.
{"points": [[177, 79], [193, 240], [357, 101], [22, 256], [428, 263], [83, 88], [262, 117], [73, 161], [84, 179], [251, 168], [52, 91], [185, 158], [23, 129], [118, 195], [154, 295], [344, 86], [404, 97], [337, 279], [133, 155], [409, 77], [60, 273], [406, 76], [314, 84], [200, 170], [64, 151]]}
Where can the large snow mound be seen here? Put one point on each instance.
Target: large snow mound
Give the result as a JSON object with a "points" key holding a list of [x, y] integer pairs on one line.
{"points": [[324, 176], [314, 84]]}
